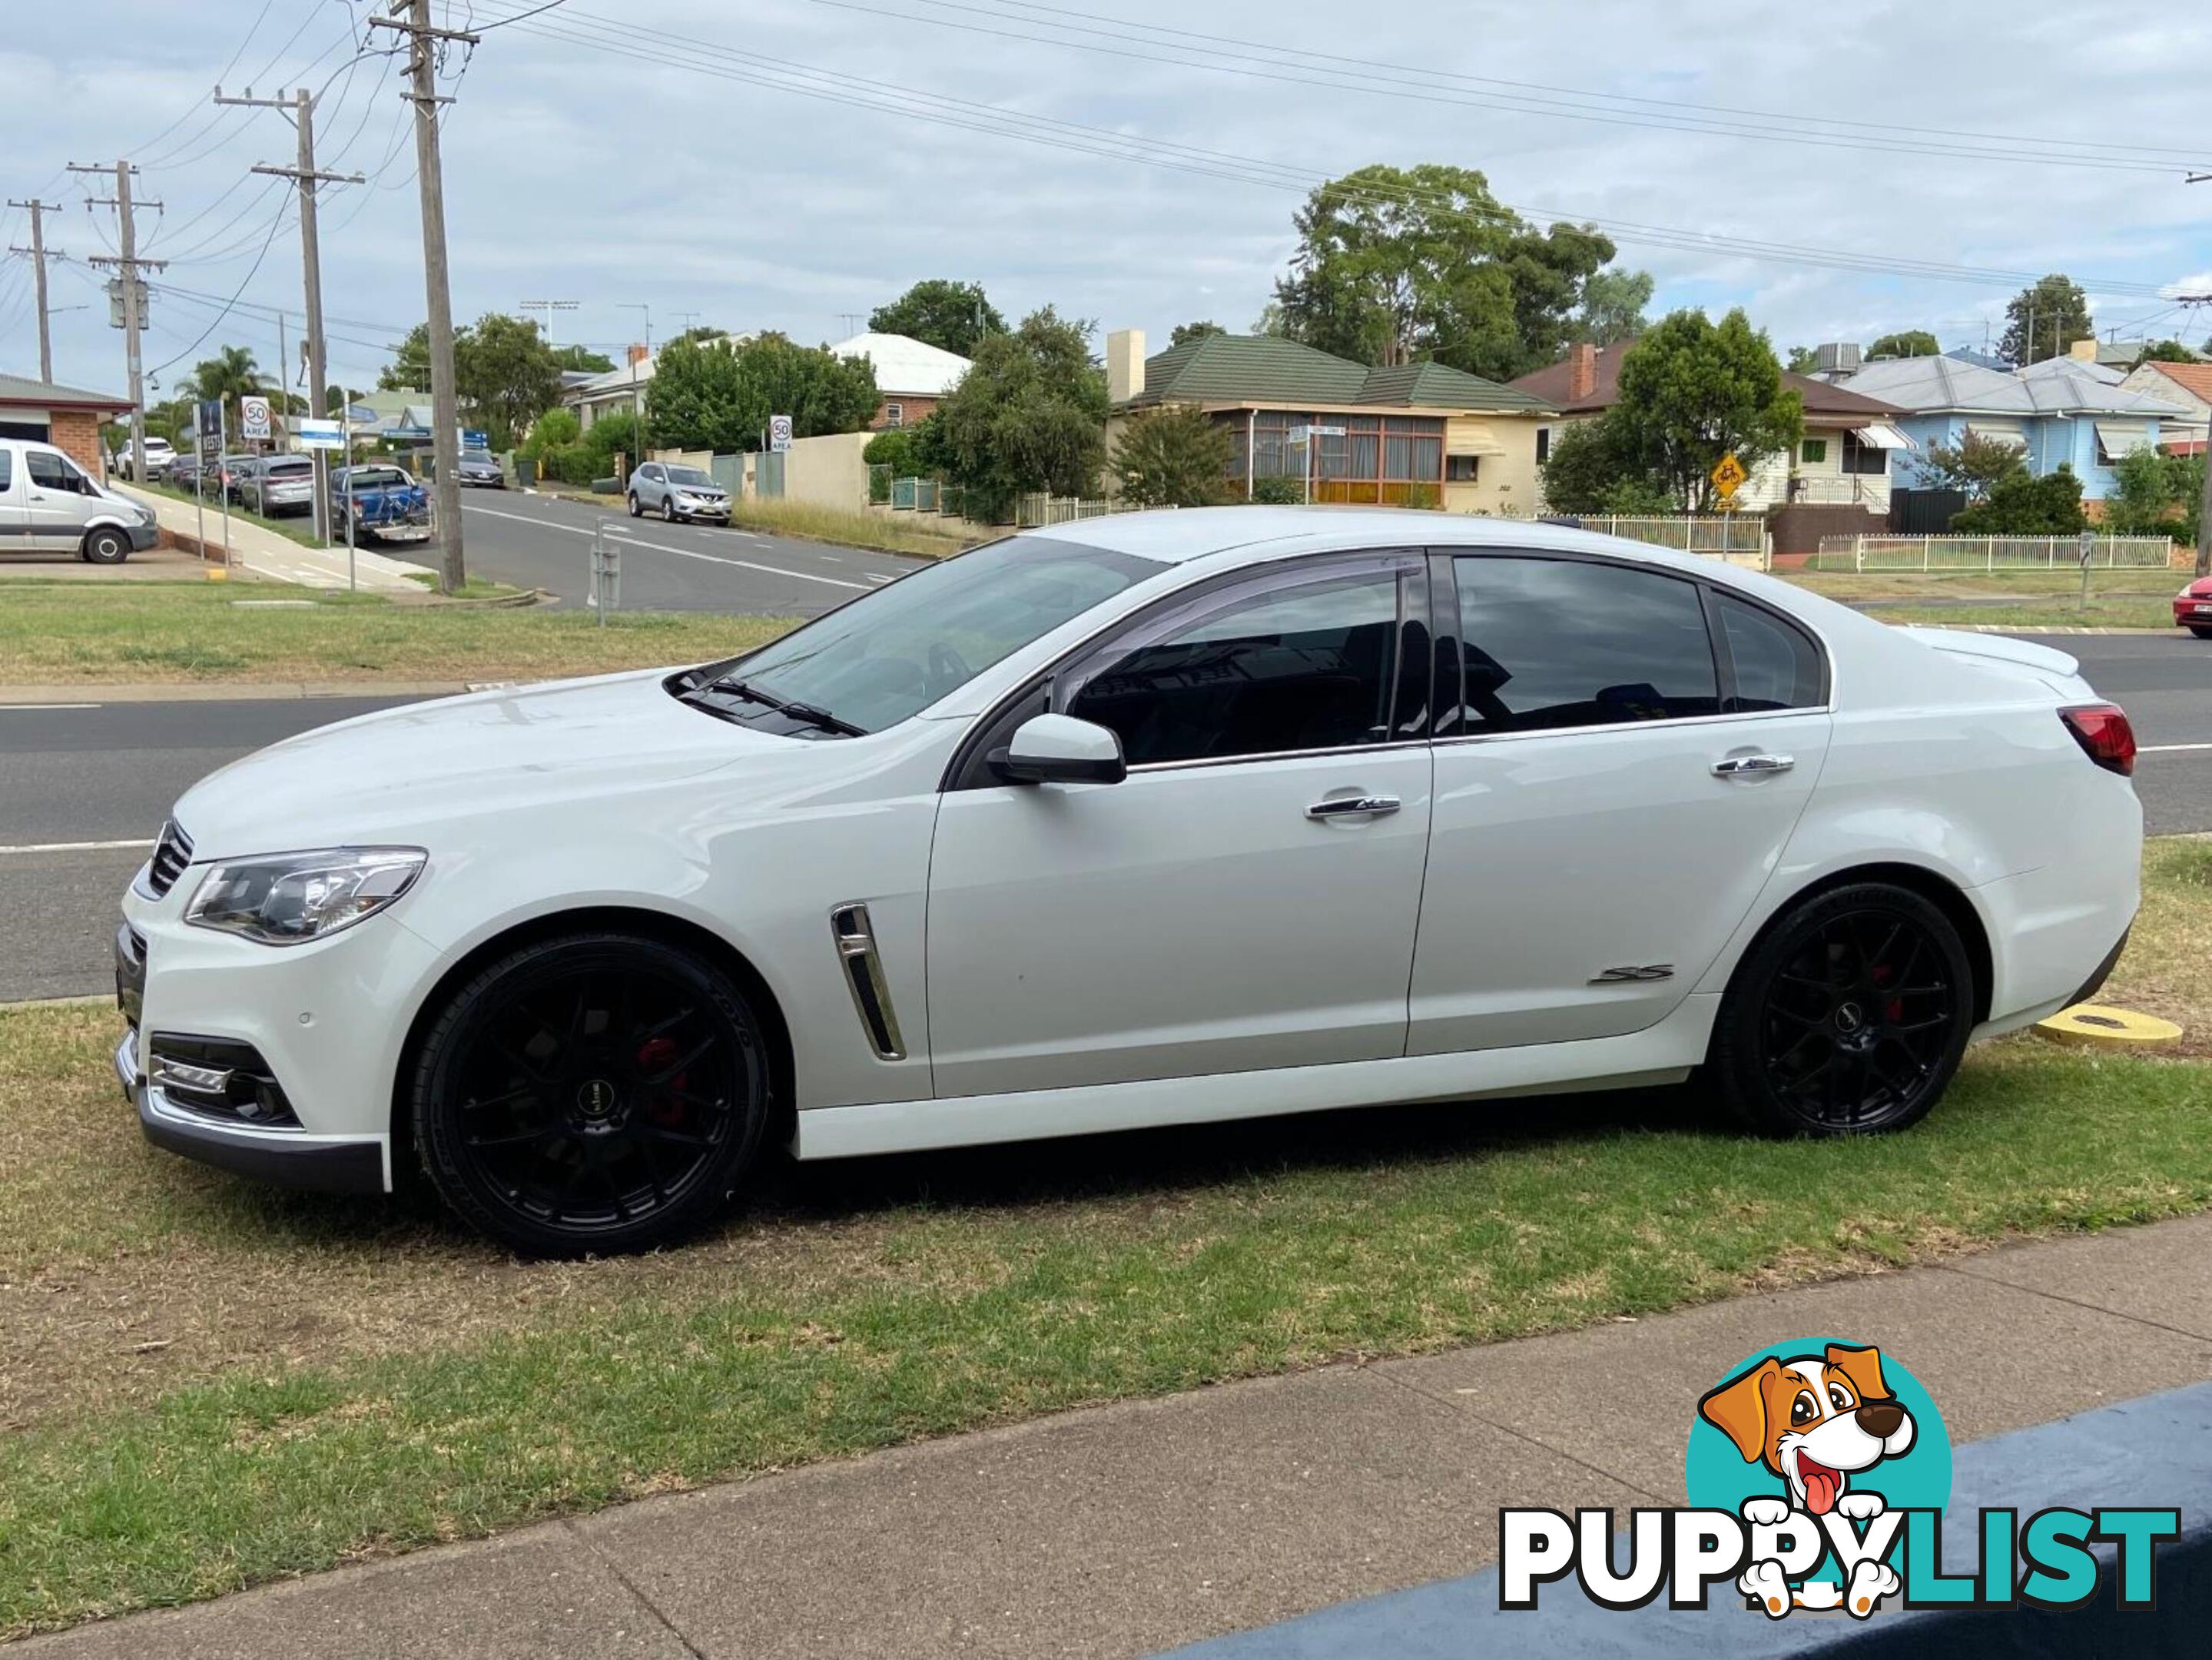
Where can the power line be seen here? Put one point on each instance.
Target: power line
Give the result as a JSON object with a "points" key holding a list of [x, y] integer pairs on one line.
{"points": [[228, 306]]}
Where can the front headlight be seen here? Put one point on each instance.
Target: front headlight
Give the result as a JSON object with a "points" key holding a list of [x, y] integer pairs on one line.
{"points": [[290, 898]]}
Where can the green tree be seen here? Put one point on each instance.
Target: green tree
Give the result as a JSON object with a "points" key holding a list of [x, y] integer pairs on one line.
{"points": [[2043, 321], [504, 373], [1030, 416], [1906, 342], [583, 358], [1975, 464], [700, 331], [2165, 351], [1613, 307], [410, 368], [555, 429], [718, 394], [1594, 467], [2155, 495], [1802, 360], [230, 374], [2026, 506], [1692, 390], [1394, 265], [1185, 332], [1173, 456], [1272, 321], [953, 316]]}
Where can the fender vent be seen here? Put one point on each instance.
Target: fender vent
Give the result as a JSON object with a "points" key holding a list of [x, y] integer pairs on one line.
{"points": [[864, 974]]}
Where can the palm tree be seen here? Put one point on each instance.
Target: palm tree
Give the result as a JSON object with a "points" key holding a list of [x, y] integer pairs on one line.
{"points": [[230, 374]]}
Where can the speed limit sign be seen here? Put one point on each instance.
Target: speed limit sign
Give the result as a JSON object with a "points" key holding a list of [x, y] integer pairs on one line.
{"points": [[778, 433], [253, 418]]}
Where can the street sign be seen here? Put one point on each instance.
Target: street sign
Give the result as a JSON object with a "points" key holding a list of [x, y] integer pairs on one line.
{"points": [[1307, 434], [778, 433], [314, 434], [473, 439], [254, 420], [1728, 476]]}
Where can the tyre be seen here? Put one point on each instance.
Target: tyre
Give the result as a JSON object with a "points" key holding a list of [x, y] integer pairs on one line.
{"points": [[106, 546], [596, 1092], [668, 509], [636, 507], [2202, 630], [1848, 1016]]}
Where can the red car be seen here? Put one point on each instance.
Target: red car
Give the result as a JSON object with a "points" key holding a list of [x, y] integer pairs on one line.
{"points": [[2192, 608]]}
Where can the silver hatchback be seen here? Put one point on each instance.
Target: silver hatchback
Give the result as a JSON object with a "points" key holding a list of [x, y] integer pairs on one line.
{"points": [[675, 491]]}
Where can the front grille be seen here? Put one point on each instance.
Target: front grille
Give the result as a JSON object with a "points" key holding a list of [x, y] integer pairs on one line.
{"points": [[171, 854]]}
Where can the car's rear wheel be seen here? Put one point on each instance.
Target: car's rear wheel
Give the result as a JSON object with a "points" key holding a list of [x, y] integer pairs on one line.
{"points": [[595, 1093], [636, 507], [1847, 1016], [106, 546]]}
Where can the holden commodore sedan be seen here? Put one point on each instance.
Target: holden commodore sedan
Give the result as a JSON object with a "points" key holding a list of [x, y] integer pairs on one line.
{"points": [[1158, 819], [2192, 608]]}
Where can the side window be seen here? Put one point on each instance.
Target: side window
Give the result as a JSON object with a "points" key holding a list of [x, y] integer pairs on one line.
{"points": [[1262, 670], [1551, 643], [48, 471], [6, 469], [1776, 666]]}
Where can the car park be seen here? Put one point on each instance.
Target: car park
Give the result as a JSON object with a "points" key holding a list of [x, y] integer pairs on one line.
{"points": [[675, 491], [1161, 819], [279, 485], [481, 470], [2192, 608], [50, 505]]}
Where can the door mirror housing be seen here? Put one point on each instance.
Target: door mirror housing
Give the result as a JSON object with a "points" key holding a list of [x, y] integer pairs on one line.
{"points": [[1058, 749]]}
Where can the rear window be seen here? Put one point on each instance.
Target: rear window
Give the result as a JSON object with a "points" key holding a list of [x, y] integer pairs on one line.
{"points": [[299, 469], [375, 478]]}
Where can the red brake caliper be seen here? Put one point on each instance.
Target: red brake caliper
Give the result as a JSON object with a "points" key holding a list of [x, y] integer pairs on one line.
{"points": [[662, 1108]]}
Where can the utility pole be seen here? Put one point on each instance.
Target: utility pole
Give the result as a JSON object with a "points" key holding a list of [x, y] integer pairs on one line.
{"points": [[127, 264], [38, 256], [300, 109], [445, 402]]}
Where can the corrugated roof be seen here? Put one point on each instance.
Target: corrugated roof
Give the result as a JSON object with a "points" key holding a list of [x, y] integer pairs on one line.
{"points": [[1264, 369], [1946, 385], [904, 364], [21, 389], [1551, 384]]}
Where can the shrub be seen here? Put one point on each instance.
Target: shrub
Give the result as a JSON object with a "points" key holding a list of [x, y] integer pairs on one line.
{"points": [[1423, 495], [1173, 457], [2022, 506], [893, 448], [1278, 492], [555, 429]]}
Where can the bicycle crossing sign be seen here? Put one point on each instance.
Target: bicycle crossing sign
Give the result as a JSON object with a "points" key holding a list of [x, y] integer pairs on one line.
{"points": [[1728, 476]]}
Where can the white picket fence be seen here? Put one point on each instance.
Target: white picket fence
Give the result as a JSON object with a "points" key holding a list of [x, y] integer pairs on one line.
{"points": [[1989, 553], [1740, 538]]}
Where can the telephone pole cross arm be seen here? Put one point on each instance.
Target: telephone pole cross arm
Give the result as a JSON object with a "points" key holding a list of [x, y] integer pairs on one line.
{"points": [[40, 253]]}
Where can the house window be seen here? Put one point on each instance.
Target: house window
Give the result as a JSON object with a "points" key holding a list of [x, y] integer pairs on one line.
{"points": [[1863, 458], [1814, 452], [894, 415], [1543, 445], [1462, 469]]}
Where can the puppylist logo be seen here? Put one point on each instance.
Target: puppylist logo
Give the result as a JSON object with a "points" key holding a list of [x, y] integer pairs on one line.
{"points": [[1818, 1474]]}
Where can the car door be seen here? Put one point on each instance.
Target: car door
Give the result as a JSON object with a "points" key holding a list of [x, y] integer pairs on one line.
{"points": [[15, 523], [1245, 898], [652, 495], [56, 499], [1618, 773]]}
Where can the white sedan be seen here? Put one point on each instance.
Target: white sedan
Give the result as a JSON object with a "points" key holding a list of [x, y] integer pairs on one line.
{"points": [[1149, 820]]}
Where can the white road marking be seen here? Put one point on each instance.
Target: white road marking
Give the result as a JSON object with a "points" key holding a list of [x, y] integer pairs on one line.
{"points": [[628, 540], [873, 578], [5, 707], [2169, 749], [73, 846]]}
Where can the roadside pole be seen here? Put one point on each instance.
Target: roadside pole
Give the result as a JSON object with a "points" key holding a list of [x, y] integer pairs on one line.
{"points": [[221, 447], [2088, 552], [2204, 520]]}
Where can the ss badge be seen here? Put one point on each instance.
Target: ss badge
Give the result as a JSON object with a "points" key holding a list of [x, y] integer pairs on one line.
{"points": [[1633, 972]]}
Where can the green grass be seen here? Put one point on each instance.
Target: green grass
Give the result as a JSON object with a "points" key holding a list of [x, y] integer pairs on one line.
{"points": [[300, 528], [2030, 617], [2024, 599], [56, 632], [888, 533], [209, 1385]]}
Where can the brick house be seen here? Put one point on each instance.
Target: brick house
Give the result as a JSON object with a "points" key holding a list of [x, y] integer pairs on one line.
{"points": [[67, 417], [912, 376]]}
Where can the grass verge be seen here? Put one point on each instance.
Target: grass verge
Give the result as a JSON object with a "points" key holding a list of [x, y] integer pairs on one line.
{"points": [[298, 528], [2022, 600], [883, 533], [209, 1383], [55, 632]]}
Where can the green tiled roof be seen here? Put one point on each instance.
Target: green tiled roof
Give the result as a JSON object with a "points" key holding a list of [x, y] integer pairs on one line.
{"points": [[1261, 368]]}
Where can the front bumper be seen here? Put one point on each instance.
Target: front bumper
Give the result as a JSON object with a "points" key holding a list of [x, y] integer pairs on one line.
{"points": [[288, 1158], [143, 537]]}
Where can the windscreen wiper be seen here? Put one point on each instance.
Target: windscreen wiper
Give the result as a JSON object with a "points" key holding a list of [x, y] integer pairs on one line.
{"points": [[805, 712]]}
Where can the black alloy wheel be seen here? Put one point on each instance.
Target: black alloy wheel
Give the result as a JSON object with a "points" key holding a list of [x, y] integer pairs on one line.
{"points": [[1848, 1016], [2201, 631], [106, 546], [593, 1093]]}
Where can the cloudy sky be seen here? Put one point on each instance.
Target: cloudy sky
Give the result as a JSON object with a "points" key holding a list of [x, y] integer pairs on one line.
{"points": [[801, 160]]}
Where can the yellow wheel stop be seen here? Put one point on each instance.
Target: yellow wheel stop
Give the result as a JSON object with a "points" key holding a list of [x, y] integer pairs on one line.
{"points": [[2098, 1026]]}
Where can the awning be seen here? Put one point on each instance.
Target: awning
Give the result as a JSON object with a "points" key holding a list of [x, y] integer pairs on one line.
{"points": [[1881, 436], [2011, 435], [2117, 438], [1472, 439]]}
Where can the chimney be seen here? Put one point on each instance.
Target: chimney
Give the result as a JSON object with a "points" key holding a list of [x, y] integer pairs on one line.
{"points": [[1125, 365], [634, 355], [1582, 372], [2083, 351]]}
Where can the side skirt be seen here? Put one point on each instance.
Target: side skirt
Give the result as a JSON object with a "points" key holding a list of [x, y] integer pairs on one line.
{"points": [[1664, 1054]]}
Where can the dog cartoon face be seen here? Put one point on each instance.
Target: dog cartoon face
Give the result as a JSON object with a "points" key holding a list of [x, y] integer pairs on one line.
{"points": [[1813, 1421]]}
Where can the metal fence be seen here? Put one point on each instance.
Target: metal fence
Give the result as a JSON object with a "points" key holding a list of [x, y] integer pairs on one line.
{"points": [[1989, 553], [911, 494], [1038, 509], [1742, 538]]}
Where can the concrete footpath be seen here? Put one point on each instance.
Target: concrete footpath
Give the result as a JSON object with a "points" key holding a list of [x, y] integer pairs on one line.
{"points": [[265, 553], [1129, 1529]]}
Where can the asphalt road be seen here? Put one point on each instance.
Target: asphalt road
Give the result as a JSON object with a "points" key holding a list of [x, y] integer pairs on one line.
{"points": [[84, 790], [545, 541]]}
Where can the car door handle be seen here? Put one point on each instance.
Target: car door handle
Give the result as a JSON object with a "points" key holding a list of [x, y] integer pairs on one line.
{"points": [[1354, 806], [1752, 766]]}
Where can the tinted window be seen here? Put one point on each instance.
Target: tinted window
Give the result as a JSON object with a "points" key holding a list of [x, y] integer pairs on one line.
{"points": [[653, 473], [687, 476], [301, 469], [48, 469], [7, 468], [1283, 668], [1555, 642], [1776, 667]]}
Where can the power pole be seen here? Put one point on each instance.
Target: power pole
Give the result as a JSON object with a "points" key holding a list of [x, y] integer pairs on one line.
{"points": [[300, 108], [127, 264], [445, 402], [38, 256]]}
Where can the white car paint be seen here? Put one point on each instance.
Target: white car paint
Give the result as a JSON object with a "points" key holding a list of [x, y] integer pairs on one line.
{"points": [[1188, 943]]}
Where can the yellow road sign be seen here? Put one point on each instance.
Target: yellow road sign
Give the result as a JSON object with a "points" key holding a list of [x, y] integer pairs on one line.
{"points": [[1728, 476]]}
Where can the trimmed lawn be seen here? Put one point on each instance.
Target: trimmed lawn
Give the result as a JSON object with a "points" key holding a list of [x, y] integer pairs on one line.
{"points": [[2022, 600], [82, 633], [207, 1383]]}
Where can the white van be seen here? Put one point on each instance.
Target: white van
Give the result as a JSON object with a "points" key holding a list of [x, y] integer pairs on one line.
{"points": [[49, 504]]}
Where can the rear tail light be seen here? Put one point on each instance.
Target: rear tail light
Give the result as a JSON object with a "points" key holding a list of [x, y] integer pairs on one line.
{"points": [[2103, 731]]}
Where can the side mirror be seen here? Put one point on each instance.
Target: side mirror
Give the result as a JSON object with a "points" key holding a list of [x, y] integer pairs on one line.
{"points": [[1058, 749]]}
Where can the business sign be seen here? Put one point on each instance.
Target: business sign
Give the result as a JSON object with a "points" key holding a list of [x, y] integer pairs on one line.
{"points": [[207, 427], [254, 420], [473, 439], [318, 435], [778, 433]]}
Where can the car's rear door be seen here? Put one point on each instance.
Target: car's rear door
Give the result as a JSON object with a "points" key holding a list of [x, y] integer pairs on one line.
{"points": [[15, 524], [1618, 772], [56, 505], [1245, 898]]}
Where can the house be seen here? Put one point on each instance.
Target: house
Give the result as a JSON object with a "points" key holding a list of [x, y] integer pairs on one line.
{"points": [[912, 376], [67, 417], [2188, 387], [1413, 435], [1841, 459], [2056, 413], [618, 389]]}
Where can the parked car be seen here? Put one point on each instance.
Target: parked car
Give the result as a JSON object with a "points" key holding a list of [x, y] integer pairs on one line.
{"points": [[279, 485], [1159, 818], [676, 492], [49, 504], [378, 502], [185, 471], [159, 457], [233, 470], [481, 470], [2192, 608]]}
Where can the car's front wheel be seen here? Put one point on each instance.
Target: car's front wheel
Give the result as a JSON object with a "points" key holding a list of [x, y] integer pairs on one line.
{"points": [[636, 507], [2202, 630], [1847, 1016], [595, 1093], [668, 509], [106, 546]]}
